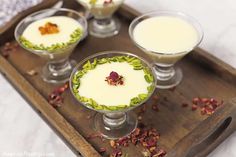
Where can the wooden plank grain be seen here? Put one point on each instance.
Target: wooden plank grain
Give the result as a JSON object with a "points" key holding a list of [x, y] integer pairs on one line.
{"points": [[39, 103], [207, 135]]}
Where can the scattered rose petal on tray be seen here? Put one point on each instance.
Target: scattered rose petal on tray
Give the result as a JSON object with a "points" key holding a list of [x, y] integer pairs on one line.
{"points": [[102, 150], [8, 48], [184, 105], [55, 98], [142, 136], [155, 107], [207, 105]]}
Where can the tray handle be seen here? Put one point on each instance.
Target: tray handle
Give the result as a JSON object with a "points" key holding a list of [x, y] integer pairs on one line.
{"points": [[208, 134]]}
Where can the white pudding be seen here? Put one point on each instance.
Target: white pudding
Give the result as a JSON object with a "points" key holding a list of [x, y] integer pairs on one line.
{"points": [[66, 26], [93, 84], [168, 36]]}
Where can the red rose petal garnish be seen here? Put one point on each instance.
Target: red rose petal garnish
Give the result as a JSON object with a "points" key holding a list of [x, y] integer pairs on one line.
{"points": [[114, 76], [114, 79]]}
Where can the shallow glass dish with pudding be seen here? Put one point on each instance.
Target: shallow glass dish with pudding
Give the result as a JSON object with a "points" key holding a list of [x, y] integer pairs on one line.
{"points": [[103, 25], [52, 34], [113, 83], [166, 37]]}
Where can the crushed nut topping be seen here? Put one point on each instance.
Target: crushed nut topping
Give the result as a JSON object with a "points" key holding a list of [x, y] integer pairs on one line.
{"points": [[49, 28]]}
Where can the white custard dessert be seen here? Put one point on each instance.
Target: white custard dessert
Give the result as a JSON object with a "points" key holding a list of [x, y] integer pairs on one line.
{"points": [[170, 37], [66, 26], [97, 85], [101, 8]]}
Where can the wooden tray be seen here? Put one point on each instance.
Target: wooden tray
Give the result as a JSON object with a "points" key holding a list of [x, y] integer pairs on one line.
{"points": [[183, 133]]}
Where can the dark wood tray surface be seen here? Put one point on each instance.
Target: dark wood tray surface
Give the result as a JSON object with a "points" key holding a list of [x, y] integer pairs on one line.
{"points": [[183, 132]]}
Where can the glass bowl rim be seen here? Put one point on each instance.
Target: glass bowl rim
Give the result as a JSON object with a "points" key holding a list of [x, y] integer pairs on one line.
{"points": [[49, 10], [97, 5], [122, 53], [173, 13]]}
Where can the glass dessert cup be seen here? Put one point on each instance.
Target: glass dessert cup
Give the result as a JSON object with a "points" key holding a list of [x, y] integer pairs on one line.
{"points": [[104, 24], [58, 67], [167, 75], [113, 124]]}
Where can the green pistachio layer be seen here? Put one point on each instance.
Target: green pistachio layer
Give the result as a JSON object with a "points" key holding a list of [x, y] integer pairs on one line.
{"points": [[92, 2], [74, 37], [137, 65]]}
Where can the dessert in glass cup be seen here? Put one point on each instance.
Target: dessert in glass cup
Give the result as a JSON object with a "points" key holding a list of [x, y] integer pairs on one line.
{"points": [[52, 34], [113, 83], [103, 25], [166, 37]]}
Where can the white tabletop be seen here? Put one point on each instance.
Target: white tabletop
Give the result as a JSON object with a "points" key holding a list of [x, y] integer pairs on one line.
{"points": [[24, 133]]}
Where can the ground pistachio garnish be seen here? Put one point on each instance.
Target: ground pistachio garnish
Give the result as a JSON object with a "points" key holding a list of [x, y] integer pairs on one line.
{"points": [[74, 37], [92, 2], [90, 65]]}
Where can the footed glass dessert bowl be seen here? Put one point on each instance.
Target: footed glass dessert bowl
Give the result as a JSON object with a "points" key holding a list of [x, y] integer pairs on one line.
{"points": [[103, 25], [166, 37], [52, 34], [113, 83]]}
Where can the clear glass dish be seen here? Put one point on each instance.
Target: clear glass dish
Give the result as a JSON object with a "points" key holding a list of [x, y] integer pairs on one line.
{"points": [[104, 24], [163, 64], [58, 67], [113, 124]]}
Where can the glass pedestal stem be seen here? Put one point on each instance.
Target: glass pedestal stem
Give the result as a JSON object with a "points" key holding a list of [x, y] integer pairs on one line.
{"points": [[164, 72], [167, 76], [114, 120]]}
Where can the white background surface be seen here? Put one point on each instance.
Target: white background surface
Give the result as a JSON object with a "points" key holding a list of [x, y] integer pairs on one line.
{"points": [[23, 133]]}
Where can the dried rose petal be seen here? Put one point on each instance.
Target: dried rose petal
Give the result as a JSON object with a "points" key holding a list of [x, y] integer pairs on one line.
{"points": [[155, 107], [96, 135], [144, 108], [196, 100], [116, 153], [160, 153], [207, 105], [205, 100], [194, 107], [184, 105], [114, 76], [114, 79], [55, 98], [8, 48], [102, 150]]}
